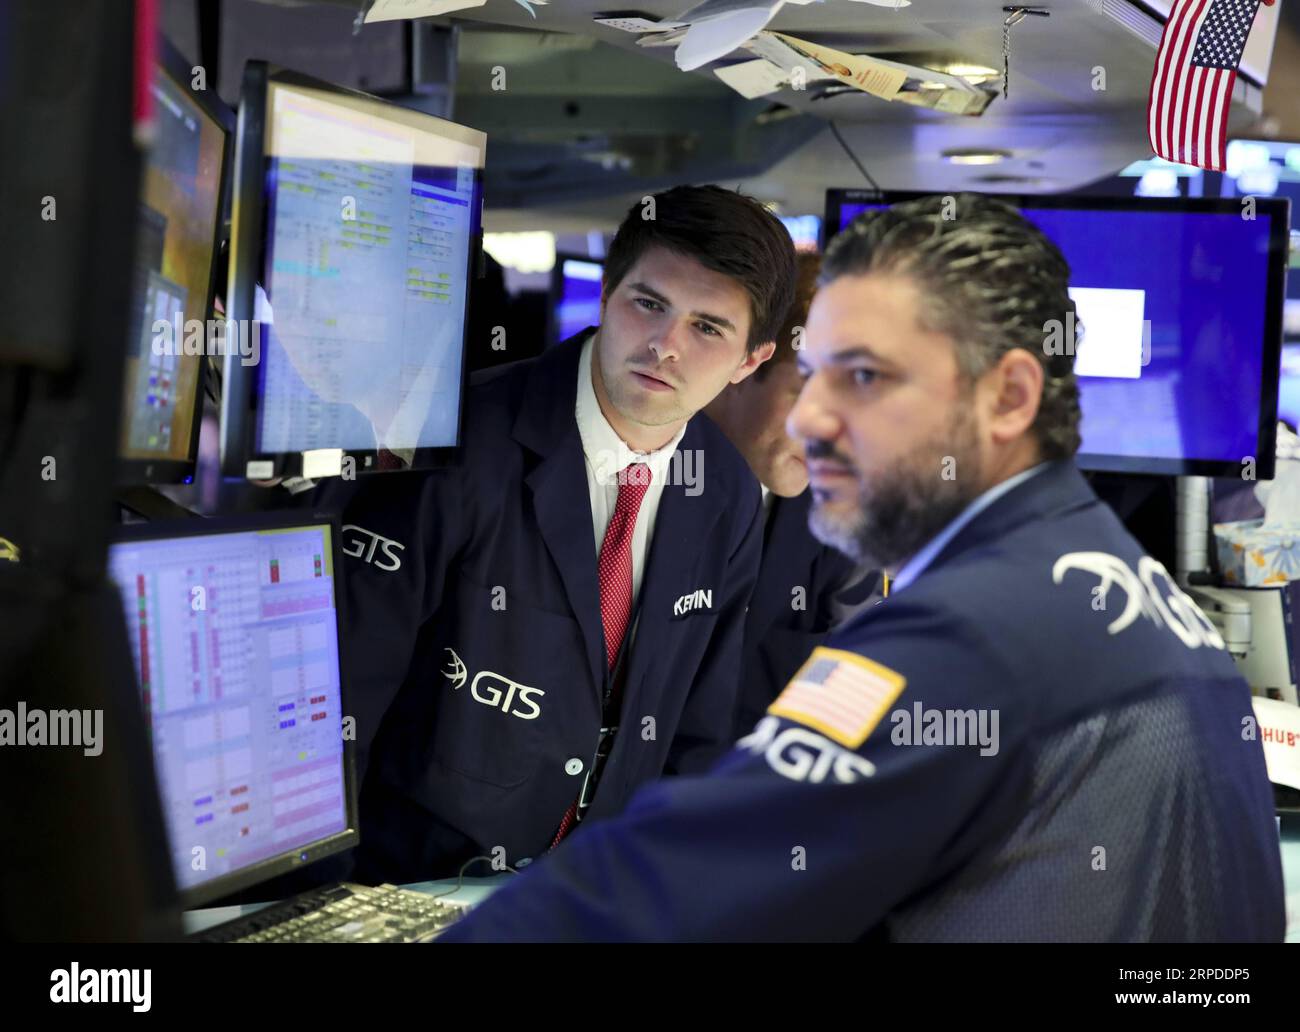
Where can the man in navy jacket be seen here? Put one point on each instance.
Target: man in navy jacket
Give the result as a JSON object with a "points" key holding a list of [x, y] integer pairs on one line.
{"points": [[490, 654], [1036, 736]]}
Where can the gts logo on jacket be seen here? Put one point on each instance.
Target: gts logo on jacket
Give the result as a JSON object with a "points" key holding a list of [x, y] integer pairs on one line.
{"points": [[361, 544], [1150, 593], [497, 691]]}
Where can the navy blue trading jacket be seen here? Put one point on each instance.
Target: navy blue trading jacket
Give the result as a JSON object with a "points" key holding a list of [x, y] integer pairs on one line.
{"points": [[1118, 800], [791, 611], [474, 644]]}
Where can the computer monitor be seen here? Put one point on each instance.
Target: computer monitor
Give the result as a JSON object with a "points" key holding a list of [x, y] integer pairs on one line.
{"points": [[234, 628], [1270, 168], [180, 225], [356, 226], [575, 295], [1180, 303], [805, 231], [1288, 390]]}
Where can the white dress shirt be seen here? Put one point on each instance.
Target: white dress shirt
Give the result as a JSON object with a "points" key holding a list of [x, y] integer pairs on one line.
{"points": [[607, 455]]}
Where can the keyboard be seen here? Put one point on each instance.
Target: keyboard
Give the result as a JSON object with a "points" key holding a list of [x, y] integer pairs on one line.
{"points": [[343, 913]]}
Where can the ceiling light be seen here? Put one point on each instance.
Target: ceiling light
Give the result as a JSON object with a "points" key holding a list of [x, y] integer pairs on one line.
{"points": [[975, 156], [972, 73], [523, 252]]}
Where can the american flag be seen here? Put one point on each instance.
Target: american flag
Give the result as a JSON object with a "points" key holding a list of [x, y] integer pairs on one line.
{"points": [[1191, 87], [839, 693]]}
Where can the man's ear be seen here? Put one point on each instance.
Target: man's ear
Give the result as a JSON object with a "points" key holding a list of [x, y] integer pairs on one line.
{"points": [[1017, 392], [753, 360]]}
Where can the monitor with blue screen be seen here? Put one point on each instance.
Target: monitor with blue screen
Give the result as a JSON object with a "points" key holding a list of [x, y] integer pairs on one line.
{"points": [[575, 295], [233, 626], [1181, 307]]}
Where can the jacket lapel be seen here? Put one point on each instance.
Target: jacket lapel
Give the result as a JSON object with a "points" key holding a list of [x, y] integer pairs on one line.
{"points": [[681, 526], [787, 556], [547, 426]]}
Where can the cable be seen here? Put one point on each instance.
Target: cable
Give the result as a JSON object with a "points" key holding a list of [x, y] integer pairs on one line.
{"points": [[460, 878], [847, 150]]}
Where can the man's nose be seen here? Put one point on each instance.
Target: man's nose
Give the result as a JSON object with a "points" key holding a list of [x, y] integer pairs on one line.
{"points": [[667, 346], [812, 418]]}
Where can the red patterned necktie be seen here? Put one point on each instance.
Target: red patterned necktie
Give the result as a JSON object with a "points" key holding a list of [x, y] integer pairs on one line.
{"points": [[614, 571]]}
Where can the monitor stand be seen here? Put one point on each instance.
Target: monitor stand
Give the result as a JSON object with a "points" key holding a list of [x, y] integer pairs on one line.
{"points": [[151, 504]]}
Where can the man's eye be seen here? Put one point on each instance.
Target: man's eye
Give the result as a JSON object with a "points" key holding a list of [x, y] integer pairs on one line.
{"points": [[648, 305], [707, 329], [864, 377]]}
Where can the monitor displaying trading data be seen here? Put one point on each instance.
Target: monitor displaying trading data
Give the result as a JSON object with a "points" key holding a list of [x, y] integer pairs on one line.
{"points": [[575, 296], [354, 258], [235, 639], [1180, 304], [176, 247]]}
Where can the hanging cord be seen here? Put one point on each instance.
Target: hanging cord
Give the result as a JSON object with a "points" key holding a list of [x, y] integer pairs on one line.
{"points": [[849, 151], [1015, 15]]}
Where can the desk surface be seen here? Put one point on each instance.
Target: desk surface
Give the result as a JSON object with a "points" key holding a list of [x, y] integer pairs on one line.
{"points": [[475, 890]]}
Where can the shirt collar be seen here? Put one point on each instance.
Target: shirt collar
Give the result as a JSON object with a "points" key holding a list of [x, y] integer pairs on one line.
{"points": [[915, 566], [608, 453]]}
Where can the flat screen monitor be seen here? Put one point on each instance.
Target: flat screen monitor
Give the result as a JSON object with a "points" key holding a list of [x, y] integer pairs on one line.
{"points": [[356, 226], [177, 241], [1288, 391], [1270, 168], [575, 295], [234, 629], [1180, 303]]}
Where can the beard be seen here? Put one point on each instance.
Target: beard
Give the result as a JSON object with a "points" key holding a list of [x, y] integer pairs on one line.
{"points": [[906, 505]]}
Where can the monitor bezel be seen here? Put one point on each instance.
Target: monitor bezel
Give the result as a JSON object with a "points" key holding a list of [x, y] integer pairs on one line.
{"points": [[557, 291], [1276, 208], [240, 398], [350, 836], [136, 471]]}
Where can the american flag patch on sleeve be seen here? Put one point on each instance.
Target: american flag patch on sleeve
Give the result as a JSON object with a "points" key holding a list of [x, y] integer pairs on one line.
{"points": [[841, 694]]}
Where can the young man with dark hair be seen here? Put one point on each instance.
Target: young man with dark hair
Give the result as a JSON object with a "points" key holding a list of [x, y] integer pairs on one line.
{"points": [[1037, 735], [803, 585], [533, 634]]}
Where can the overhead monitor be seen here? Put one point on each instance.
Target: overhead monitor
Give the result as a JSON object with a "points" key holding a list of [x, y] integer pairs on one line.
{"points": [[233, 626], [177, 241], [1180, 303], [356, 226]]}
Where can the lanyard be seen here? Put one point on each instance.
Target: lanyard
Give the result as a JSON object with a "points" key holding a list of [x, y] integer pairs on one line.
{"points": [[611, 700]]}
